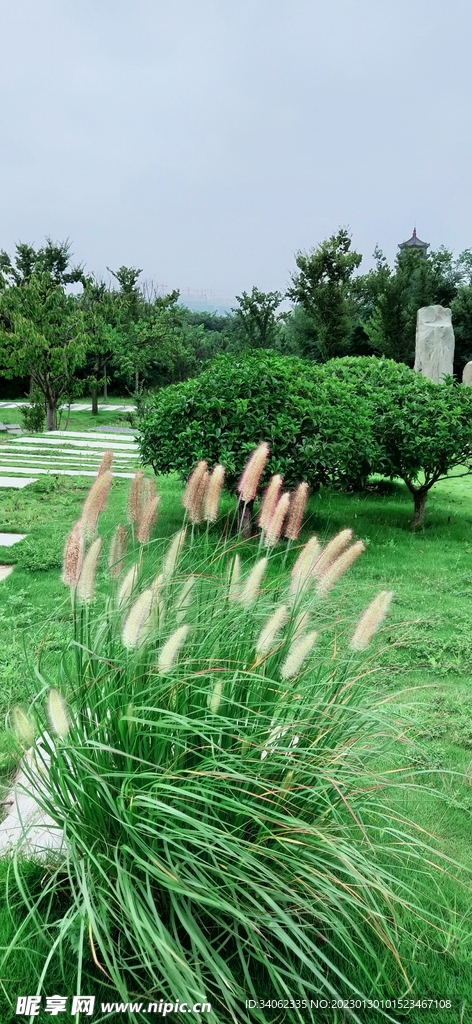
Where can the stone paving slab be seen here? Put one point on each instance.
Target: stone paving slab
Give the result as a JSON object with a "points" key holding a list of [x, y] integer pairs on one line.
{"points": [[5, 571], [7, 540], [26, 826], [105, 434], [58, 472], [73, 442], [75, 407], [16, 481]]}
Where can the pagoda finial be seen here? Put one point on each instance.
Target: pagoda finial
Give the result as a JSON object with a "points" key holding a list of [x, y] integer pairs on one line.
{"points": [[414, 231]]}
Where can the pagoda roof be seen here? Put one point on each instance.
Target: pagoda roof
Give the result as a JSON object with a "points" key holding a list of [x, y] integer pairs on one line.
{"points": [[414, 242]]}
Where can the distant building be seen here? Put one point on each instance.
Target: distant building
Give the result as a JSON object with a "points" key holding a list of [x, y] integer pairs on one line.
{"points": [[414, 243]]}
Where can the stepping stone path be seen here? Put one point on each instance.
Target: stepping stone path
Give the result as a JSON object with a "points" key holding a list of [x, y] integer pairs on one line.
{"points": [[66, 453]]}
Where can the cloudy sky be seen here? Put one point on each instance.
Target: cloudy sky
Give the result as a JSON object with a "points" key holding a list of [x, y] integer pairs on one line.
{"points": [[206, 141]]}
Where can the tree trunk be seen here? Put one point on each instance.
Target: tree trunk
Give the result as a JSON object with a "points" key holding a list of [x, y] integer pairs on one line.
{"points": [[50, 415], [136, 382], [419, 498], [105, 384], [95, 399], [244, 511]]}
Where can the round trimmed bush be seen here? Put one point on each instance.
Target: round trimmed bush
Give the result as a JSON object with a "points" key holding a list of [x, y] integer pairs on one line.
{"points": [[317, 428]]}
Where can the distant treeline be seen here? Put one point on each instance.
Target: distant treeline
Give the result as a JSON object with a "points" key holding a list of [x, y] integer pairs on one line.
{"points": [[126, 338]]}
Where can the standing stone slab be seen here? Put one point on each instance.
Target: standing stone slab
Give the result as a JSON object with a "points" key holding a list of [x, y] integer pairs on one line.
{"points": [[467, 374], [434, 355]]}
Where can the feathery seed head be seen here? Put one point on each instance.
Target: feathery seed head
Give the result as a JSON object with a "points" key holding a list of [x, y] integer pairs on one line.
{"points": [[370, 620], [95, 502], [194, 484], [147, 519], [297, 509], [195, 509], [269, 501], [250, 588], [138, 620], [337, 569], [57, 714], [304, 565], [117, 551], [172, 554], [212, 496], [73, 555], [215, 698], [23, 727], [298, 653], [127, 586], [330, 553], [85, 585], [249, 482], [106, 463], [135, 496], [171, 648], [271, 629], [274, 526]]}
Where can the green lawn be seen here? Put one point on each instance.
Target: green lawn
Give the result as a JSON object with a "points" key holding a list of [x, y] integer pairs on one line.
{"points": [[426, 648]]}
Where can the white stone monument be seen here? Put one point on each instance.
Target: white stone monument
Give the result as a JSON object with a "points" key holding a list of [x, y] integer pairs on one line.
{"points": [[434, 354], [467, 374]]}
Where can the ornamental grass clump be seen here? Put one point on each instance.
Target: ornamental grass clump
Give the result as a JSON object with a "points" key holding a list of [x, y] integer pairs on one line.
{"points": [[208, 744]]}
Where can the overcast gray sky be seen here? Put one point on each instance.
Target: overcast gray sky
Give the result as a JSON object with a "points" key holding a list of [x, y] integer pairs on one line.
{"points": [[206, 141]]}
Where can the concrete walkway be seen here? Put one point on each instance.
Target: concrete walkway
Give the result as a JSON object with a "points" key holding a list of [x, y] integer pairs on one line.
{"points": [[75, 407]]}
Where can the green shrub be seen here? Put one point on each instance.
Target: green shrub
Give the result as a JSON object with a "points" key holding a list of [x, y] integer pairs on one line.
{"points": [[318, 430], [424, 430], [34, 414], [228, 835]]}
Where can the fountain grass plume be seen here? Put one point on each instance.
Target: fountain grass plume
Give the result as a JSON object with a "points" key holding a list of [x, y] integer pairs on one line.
{"points": [[269, 500], [57, 713], [168, 655], [271, 629], [303, 565], [95, 502], [86, 582], [73, 557], [172, 554], [106, 463], [296, 513], [119, 543], [370, 620], [335, 570], [331, 551], [250, 588], [135, 496], [234, 576], [252, 472], [195, 509], [147, 518], [23, 727], [127, 586], [300, 648], [213, 492], [138, 620], [193, 490], [274, 526]]}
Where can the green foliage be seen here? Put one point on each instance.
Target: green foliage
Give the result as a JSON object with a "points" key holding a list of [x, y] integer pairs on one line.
{"points": [[318, 430], [322, 288], [255, 318], [42, 331], [424, 430], [34, 414]]}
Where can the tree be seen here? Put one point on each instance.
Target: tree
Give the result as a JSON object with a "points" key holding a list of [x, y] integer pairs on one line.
{"points": [[255, 319], [423, 430], [322, 288], [42, 330], [129, 307], [317, 428], [96, 304]]}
